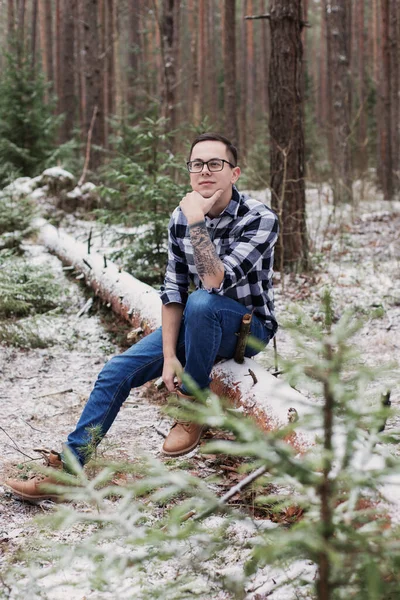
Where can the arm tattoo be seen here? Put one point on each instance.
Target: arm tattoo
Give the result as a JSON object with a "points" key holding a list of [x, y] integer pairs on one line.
{"points": [[206, 259]]}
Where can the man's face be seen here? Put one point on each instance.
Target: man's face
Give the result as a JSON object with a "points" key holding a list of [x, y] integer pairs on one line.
{"points": [[207, 182]]}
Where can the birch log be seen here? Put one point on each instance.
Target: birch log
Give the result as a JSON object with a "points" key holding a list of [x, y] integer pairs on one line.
{"points": [[269, 401]]}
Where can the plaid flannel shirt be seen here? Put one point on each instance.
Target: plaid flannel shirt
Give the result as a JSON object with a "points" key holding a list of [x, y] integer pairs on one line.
{"points": [[244, 235]]}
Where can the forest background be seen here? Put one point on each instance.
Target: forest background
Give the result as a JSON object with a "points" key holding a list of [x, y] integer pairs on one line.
{"points": [[308, 90], [113, 91]]}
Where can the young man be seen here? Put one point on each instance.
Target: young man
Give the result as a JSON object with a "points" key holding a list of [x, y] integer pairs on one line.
{"points": [[223, 242]]}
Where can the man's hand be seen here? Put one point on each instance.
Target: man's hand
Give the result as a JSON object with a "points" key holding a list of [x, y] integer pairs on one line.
{"points": [[194, 206], [172, 368]]}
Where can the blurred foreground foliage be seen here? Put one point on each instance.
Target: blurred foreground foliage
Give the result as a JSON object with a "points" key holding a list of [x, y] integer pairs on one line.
{"points": [[136, 539]]}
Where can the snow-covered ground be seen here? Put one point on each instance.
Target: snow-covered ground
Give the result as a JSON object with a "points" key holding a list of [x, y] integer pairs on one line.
{"points": [[357, 256]]}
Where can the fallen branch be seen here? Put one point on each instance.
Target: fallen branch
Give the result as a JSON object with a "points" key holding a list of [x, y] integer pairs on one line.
{"points": [[88, 146], [55, 393], [236, 489], [15, 445]]}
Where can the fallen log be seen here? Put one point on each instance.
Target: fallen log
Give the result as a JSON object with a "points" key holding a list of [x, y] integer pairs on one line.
{"points": [[248, 386]]}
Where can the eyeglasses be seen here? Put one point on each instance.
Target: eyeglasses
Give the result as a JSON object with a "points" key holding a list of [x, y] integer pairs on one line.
{"points": [[213, 165]]}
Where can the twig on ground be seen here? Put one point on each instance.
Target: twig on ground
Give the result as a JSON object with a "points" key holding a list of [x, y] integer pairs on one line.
{"points": [[160, 431], [55, 393], [226, 497], [15, 445], [85, 309], [31, 426]]}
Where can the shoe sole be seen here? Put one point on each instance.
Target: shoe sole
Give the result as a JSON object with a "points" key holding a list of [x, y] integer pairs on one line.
{"points": [[185, 450]]}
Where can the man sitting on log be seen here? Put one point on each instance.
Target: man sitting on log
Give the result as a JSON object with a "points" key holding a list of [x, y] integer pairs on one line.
{"points": [[222, 241]]}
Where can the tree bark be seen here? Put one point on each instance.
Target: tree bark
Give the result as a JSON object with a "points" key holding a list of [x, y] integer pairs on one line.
{"points": [[362, 118], [287, 133], [194, 52], [338, 18], [58, 51], [229, 46], [67, 75], [168, 51], [81, 86], [243, 83], [34, 35], [93, 76], [386, 159], [395, 89], [133, 56], [265, 54], [10, 22], [250, 73]]}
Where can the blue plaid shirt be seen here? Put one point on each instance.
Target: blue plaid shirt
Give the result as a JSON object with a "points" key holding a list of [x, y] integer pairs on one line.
{"points": [[244, 235]]}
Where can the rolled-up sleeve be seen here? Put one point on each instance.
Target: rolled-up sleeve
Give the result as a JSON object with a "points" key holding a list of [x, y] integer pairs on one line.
{"points": [[250, 252], [176, 281]]}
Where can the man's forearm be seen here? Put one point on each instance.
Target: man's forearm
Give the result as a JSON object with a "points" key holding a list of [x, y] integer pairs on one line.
{"points": [[209, 266], [171, 323]]}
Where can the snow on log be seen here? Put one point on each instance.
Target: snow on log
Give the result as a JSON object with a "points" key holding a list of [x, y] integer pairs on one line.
{"points": [[134, 300], [248, 386]]}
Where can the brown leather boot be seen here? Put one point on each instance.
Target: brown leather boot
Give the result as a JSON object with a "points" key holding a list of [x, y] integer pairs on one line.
{"points": [[34, 489], [183, 436]]}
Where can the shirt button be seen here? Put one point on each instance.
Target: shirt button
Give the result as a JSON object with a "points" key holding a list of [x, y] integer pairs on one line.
{"points": [[211, 224]]}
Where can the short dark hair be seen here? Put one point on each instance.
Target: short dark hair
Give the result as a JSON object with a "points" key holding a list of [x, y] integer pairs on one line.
{"points": [[216, 137]]}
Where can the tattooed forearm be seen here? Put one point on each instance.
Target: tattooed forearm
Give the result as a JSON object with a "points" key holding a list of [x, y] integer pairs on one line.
{"points": [[206, 259]]}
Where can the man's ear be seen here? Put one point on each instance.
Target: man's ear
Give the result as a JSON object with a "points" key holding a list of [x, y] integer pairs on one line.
{"points": [[235, 174]]}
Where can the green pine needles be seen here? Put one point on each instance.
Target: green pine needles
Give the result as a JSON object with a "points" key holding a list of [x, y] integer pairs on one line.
{"points": [[27, 123], [142, 188], [169, 536], [26, 292]]}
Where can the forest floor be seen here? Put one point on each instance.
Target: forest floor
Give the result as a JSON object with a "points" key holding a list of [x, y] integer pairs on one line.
{"points": [[356, 255]]}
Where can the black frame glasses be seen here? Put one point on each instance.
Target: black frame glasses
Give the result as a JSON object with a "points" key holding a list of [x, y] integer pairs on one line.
{"points": [[189, 165]]}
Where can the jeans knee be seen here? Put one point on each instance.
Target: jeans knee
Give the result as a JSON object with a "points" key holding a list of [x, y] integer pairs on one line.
{"points": [[112, 373], [199, 303]]}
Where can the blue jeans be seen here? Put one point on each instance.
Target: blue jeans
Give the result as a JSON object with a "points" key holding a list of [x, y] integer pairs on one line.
{"points": [[209, 327]]}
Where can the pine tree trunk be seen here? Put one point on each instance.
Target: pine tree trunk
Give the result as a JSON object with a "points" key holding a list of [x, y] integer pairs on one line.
{"points": [[265, 54], [202, 56], [395, 90], [34, 35], [10, 22], [323, 113], [386, 160], [212, 105], [287, 133], [67, 74], [362, 122], [81, 85], [133, 56], [168, 38], [93, 78], [242, 81], [20, 30], [58, 53], [229, 45], [250, 72], [194, 52], [338, 18]]}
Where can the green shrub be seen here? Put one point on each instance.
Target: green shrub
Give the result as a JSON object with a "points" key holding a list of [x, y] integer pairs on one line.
{"points": [[141, 190], [27, 122], [25, 289]]}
